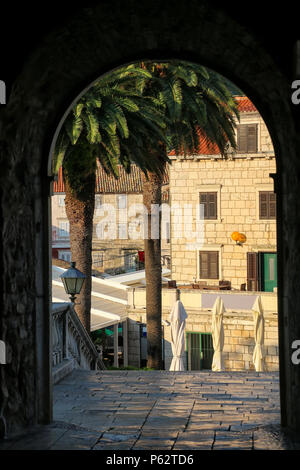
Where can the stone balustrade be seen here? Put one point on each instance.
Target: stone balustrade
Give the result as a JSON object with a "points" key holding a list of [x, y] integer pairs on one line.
{"points": [[72, 347]]}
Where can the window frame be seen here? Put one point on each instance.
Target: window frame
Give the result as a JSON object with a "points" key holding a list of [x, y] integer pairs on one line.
{"points": [[121, 197], [268, 216], [60, 229], [98, 201], [212, 188], [209, 251], [124, 226], [247, 151], [208, 194]]}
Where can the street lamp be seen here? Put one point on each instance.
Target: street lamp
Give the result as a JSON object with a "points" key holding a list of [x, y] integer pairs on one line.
{"points": [[72, 280]]}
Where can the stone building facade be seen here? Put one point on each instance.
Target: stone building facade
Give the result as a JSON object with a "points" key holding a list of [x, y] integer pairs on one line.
{"points": [[237, 193], [118, 244]]}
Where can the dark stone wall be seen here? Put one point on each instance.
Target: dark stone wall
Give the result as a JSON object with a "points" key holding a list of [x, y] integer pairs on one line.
{"points": [[63, 63]]}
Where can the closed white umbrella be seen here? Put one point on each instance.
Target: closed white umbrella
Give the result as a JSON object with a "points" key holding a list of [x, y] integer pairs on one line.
{"points": [[259, 329], [177, 319], [217, 329]]}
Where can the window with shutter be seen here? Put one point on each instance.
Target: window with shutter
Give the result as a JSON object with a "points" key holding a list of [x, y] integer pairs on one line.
{"points": [[252, 271], [209, 264], [209, 201], [267, 205], [247, 138]]}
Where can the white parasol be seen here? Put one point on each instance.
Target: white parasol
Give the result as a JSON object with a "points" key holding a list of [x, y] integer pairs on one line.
{"points": [[218, 334], [177, 322], [259, 328]]}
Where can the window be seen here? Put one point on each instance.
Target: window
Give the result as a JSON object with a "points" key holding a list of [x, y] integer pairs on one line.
{"points": [[122, 231], [61, 200], [130, 260], [64, 229], [98, 201], [267, 205], [209, 201], [200, 351], [209, 264], [247, 138], [121, 201], [252, 271]]}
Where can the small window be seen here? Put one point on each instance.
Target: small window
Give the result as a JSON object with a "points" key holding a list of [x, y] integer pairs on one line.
{"points": [[64, 229], [121, 201], [209, 264], [209, 201], [122, 231], [98, 201], [130, 261], [267, 205], [247, 138], [61, 200]]}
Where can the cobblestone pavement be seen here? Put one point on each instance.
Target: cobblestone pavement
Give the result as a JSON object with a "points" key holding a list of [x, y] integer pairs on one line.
{"points": [[159, 410]]}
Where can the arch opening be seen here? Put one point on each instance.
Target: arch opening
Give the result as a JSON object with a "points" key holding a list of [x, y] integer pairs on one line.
{"points": [[230, 197], [67, 72]]}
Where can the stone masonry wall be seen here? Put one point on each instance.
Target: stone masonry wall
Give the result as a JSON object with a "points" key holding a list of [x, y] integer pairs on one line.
{"points": [[238, 182]]}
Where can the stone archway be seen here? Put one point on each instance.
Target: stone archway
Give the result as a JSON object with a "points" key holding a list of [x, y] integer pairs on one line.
{"points": [[65, 63]]}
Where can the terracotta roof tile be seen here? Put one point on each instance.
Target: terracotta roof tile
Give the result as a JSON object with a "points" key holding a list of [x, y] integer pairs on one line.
{"points": [[245, 105], [105, 183]]}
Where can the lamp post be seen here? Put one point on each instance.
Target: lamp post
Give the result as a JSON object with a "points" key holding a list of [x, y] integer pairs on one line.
{"points": [[73, 280]]}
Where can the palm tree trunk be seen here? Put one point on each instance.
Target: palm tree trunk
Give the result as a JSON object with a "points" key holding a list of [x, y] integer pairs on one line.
{"points": [[80, 212], [152, 247]]}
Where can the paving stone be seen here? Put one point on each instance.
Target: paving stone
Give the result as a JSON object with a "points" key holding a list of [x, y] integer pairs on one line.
{"points": [[75, 440], [197, 435], [159, 434], [124, 410], [233, 445], [153, 444], [208, 425], [105, 445], [117, 437], [188, 445]]}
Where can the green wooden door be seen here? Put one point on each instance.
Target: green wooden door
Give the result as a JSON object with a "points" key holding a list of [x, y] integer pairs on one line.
{"points": [[269, 271], [199, 351]]}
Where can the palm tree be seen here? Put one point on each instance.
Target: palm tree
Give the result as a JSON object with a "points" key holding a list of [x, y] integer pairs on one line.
{"points": [[196, 103], [100, 126]]}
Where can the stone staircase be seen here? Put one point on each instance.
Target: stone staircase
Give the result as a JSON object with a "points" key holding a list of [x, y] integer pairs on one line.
{"points": [[72, 347]]}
